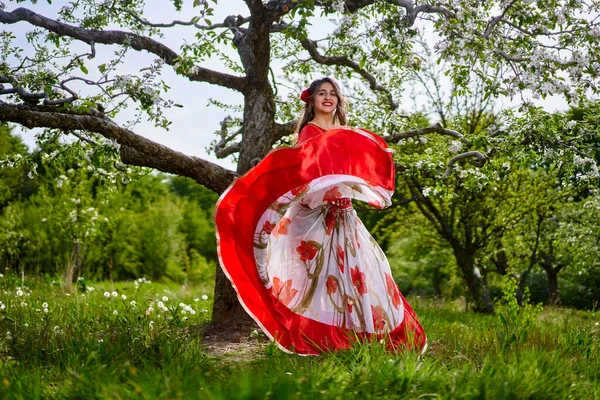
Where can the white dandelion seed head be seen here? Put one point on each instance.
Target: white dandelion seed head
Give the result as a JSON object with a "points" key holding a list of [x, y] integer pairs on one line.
{"points": [[19, 292], [106, 294], [204, 297], [44, 305], [165, 298], [115, 312], [114, 294], [124, 297]]}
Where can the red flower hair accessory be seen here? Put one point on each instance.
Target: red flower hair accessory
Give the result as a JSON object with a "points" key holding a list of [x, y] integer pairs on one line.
{"points": [[305, 95]]}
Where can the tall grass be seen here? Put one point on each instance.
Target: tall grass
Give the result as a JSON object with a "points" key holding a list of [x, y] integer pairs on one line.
{"points": [[81, 348]]}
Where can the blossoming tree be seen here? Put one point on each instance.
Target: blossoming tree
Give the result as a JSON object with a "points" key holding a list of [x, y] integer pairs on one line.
{"points": [[538, 50]]}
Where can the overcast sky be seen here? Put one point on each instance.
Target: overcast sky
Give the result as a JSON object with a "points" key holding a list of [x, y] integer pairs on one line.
{"points": [[193, 126]]}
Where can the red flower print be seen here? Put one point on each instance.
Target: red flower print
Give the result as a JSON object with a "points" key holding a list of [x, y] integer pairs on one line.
{"points": [[282, 227], [331, 285], [307, 250], [376, 204], [283, 292], [392, 290], [358, 280], [268, 227], [332, 194], [341, 259], [329, 223], [300, 189], [349, 303], [378, 318]]}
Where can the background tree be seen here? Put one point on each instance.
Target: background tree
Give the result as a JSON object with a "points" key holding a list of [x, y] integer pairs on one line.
{"points": [[372, 41]]}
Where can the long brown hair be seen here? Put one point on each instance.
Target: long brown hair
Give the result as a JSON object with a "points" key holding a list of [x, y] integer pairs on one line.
{"points": [[339, 117]]}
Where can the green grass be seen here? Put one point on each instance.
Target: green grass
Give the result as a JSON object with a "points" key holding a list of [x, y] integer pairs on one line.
{"points": [[81, 349]]}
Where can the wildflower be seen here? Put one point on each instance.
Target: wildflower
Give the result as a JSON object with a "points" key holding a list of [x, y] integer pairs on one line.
{"points": [[133, 303], [1, 275], [124, 297], [151, 325], [2, 305], [8, 335], [26, 325], [44, 305], [23, 304], [150, 310], [165, 298], [19, 292], [196, 300], [106, 294], [68, 294], [204, 297], [45, 311], [115, 312], [161, 304], [114, 294], [56, 329]]}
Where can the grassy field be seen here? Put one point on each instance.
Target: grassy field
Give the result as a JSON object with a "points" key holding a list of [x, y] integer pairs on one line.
{"points": [[144, 340]]}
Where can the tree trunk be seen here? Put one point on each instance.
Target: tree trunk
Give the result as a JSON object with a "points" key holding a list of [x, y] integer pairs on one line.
{"points": [[552, 274], [476, 285], [554, 297], [259, 117]]}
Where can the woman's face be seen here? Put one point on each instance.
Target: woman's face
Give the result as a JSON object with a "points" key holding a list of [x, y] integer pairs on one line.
{"points": [[325, 100]]}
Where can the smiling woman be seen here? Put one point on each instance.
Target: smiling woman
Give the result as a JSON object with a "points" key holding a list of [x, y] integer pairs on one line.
{"points": [[302, 263]]}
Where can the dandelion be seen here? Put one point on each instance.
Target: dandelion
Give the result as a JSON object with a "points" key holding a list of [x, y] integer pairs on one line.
{"points": [[45, 311], [57, 329], [204, 297], [44, 305], [133, 303], [23, 304], [114, 294], [165, 298], [151, 325], [161, 304], [124, 297], [106, 294], [115, 312], [19, 292], [68, 294], [150, 310], [196, 300], [2, 305], [1, 275], [26, 325]]}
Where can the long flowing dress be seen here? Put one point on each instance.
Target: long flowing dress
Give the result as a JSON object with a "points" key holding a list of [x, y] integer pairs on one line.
{"points": [[302, 263]]}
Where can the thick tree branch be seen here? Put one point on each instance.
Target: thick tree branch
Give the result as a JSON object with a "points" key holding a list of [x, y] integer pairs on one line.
{"points": [[135, 149], [282, 130], [311, 47], [437, 128], [479, 160], [137, 42]]}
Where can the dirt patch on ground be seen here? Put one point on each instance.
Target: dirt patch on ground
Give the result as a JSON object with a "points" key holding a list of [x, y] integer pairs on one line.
{"points": [[243, 342]]}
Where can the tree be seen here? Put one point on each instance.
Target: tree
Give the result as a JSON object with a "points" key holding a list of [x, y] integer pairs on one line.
{"points": [[371, 42]]}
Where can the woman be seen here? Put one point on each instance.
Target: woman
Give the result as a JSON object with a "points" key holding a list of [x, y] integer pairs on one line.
{"points": [[302, 263]]}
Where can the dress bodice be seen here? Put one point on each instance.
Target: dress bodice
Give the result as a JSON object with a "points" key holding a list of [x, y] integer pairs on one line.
{"points": [[309, 131]]}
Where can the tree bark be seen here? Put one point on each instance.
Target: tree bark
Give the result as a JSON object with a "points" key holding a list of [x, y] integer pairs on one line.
{"points": [[259, 127], [478, 290]]}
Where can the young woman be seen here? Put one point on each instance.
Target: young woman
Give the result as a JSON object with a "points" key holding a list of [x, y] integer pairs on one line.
{"points": [[302, 263]]}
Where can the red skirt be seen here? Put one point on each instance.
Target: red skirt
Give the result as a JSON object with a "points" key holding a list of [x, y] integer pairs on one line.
{"points": [[302, 264]]}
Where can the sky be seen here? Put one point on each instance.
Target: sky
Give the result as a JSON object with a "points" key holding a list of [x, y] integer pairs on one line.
{"points": [[194, 124]]}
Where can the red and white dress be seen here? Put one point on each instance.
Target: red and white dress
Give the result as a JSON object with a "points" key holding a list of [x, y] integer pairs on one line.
{"points": [[302, 263]]}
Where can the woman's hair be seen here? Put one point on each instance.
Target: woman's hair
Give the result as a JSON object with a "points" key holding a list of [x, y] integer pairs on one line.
{"points": [[339, 117]]}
